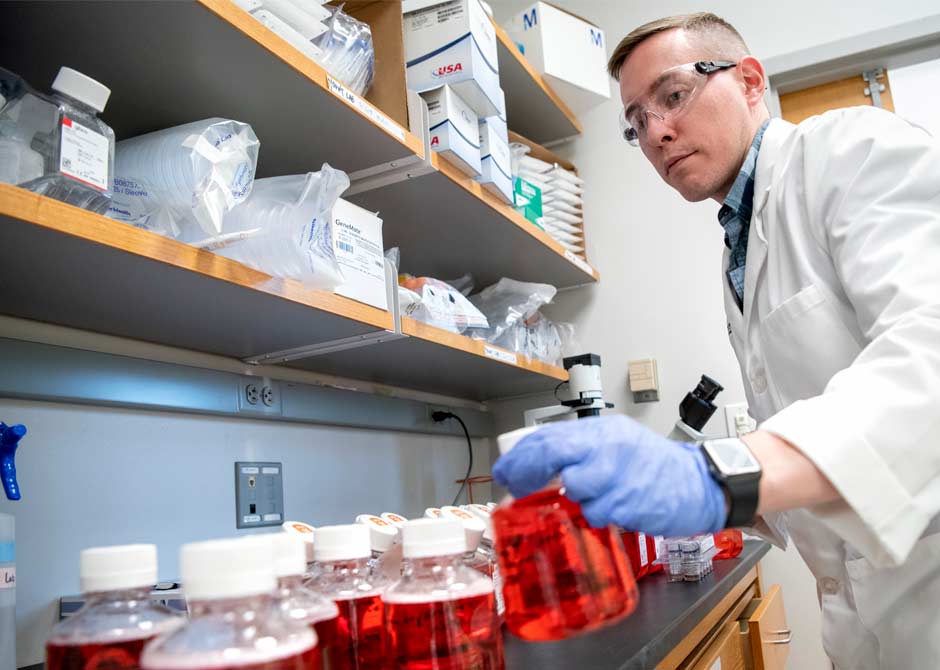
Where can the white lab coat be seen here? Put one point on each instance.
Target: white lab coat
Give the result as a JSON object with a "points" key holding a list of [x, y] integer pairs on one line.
{"points": [[839, 347]]}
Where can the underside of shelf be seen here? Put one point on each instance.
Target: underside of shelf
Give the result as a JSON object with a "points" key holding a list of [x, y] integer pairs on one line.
{"points": [[169, 63]]}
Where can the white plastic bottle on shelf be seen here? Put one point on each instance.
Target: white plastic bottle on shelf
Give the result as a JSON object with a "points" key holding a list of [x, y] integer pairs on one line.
{"points": [[118, 617], [233, 624], [342, 574], [79, 152], [441, 613], [7, 593], [294, 598], [23, 113], [385, 540]]}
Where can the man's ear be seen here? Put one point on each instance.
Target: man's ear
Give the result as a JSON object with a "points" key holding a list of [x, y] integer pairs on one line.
{"points": [[755, 81]]}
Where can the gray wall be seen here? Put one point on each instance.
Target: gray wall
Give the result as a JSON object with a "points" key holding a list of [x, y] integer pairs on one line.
{"points": [[95, 476]]}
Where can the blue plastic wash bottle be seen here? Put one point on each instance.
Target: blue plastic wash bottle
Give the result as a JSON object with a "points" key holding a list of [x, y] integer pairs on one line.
{"points": [[10, 437]]}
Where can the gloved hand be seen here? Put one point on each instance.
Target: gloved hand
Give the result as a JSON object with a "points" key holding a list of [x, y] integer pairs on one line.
{"points": [[622, 473]]}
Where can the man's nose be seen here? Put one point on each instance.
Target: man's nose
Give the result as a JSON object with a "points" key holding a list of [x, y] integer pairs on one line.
{"points": [[658, 129]]}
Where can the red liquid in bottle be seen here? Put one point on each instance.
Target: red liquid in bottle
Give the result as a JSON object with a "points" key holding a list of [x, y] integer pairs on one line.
{"points": [[460, 634], [561, 576], [307, 660], [356, 640], [729, 543], [117, 655]]}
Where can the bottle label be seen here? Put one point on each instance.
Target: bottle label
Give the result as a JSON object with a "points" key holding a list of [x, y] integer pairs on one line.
{"points": [[8, 578], [498, 589], [644, 557], [84, 154]]}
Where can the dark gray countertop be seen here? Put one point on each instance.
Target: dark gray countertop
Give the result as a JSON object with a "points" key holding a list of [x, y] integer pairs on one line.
{"points": [[665, 614]]}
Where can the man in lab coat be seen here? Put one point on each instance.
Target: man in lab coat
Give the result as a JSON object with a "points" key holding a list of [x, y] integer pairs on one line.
{"points": [[831, 280]]}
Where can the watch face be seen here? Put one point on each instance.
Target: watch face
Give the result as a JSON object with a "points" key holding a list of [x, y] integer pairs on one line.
{"points": [[732, 457]]}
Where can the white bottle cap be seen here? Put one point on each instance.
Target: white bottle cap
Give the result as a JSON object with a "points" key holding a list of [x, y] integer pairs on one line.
{"points": [[492, 506], [128, 566], [432, 513], [507, 441], [304, 532], [473, 526], [483, 512], [382, 533], [233, 568], [289, 554], [342, 543], [396, 520], [433, 537], [81, 87]]}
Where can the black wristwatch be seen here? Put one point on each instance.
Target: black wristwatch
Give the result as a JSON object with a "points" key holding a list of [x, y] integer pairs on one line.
{"points": [[734, 467]]}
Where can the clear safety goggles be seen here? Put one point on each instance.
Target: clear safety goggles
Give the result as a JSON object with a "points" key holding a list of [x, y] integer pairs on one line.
{"points": [[670, 95]]}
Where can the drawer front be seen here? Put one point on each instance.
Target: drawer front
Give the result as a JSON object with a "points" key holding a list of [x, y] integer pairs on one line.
{"points": [[767, 628], [725, 653]]}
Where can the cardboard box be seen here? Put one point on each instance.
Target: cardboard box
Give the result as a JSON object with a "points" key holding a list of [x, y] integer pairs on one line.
{"points": [[454, 130], [357, 242], [528, 200], [495, 172], [569, 52], [453, 43]]}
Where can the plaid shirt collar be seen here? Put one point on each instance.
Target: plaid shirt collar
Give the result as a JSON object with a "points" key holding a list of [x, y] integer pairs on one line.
{"points": [[735, 216]]}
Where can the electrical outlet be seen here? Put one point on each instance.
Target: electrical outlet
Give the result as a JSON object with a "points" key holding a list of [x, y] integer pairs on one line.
{"points": [[259, 396], [259, 494]]}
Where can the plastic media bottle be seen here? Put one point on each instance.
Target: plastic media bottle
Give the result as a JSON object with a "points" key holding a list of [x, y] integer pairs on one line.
{"points": [[79, 152], [432, 513], [305, 533], [473, 528], [440, 614], [583, 580], [118, 617], [730, 543], [396, 520], [384, 538], [487, 553], [342, 574], [296, 601], [233, 624]]}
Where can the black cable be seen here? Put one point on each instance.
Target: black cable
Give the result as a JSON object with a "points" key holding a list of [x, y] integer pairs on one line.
{"points": [[439, 416]]}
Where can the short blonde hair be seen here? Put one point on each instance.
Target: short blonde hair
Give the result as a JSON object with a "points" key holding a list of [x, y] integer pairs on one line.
{"points": [[720, 38]]}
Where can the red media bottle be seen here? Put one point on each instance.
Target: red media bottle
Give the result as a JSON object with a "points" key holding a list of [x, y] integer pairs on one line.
{"points": [[583, 580], [441, 613], [233, 622], [342, 573], [118, 617], [730, 543]]}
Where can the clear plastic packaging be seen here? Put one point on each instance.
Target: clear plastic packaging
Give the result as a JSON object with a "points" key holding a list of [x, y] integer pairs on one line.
{"points": [[233, 624], [118, 617], [348, 52], [584, 579], [284, 228], [76, 146], [343, 575], [440, 614], [23, 113], [438, 304], [181, 181], [688, 558], [507, 303]]}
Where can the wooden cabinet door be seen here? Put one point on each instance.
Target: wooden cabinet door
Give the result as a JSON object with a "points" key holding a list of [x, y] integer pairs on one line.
{"points": [[724, 653], [768, 631], [799, 105]]}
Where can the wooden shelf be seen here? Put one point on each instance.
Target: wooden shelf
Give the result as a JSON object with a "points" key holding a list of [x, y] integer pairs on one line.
{"points": [[169, 63], [439, 361], [70, 267], [446, 224], [533, 109]]}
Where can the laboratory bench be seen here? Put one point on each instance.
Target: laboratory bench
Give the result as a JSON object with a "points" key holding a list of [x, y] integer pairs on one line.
{"points": [[724, 621]]}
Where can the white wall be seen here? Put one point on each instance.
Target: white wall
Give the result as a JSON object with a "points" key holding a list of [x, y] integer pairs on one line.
{"points": [[659, 257], [96, 476]]}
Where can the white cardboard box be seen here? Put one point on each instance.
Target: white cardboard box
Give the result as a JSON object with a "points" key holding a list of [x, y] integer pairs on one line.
{"points": [[495, 175], [453, 42], [568, 51], [453, 127], [357, 242]]}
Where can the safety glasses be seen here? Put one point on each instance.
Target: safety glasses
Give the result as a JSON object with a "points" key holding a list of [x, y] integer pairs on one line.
{"points": [[667, 98]]}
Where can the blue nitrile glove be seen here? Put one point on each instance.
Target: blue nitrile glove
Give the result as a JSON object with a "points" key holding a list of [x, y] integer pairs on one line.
{"points": [[622, 473]]}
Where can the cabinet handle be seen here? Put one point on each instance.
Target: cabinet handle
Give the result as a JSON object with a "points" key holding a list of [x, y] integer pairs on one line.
{"points": [[785, 631], [785, 640]]}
